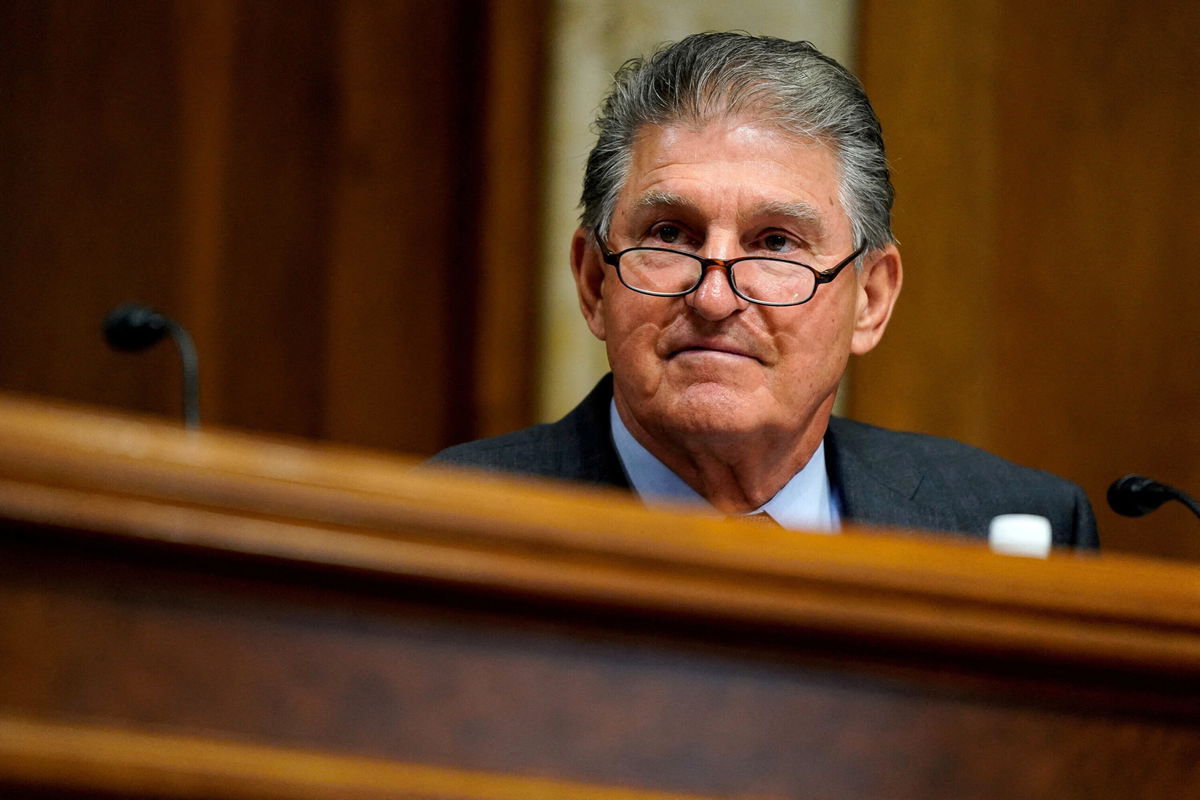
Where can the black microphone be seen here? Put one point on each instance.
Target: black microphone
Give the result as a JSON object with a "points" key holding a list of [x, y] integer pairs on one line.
{"points": [[132, 328], [1136, 495]]}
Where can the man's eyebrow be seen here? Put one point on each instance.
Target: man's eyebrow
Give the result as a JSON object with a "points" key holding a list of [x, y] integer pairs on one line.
{"points": [[800, 212], [658, 199]]}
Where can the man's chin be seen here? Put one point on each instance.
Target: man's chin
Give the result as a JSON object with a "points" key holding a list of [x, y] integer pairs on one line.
{"points": [[688, 405], [714, 408]]}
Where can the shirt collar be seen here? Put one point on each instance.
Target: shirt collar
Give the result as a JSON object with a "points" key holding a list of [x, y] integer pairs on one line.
{"points": [[806, 502]]}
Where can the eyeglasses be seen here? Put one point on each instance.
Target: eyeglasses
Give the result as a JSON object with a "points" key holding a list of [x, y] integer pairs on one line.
{"points": [[661, 272]]}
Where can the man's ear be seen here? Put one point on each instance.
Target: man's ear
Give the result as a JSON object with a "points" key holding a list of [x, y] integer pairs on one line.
{"points": [[878, 287], [588, 269]]}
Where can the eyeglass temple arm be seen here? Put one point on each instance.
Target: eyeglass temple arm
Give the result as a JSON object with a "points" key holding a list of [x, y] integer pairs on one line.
{"points": [[825, 276]]}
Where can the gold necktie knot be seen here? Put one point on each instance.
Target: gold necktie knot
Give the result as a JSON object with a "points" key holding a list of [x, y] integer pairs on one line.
{"points": [[761, 518]]}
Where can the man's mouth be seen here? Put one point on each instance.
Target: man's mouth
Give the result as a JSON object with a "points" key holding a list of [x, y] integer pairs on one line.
{"points": [[712, 349]]}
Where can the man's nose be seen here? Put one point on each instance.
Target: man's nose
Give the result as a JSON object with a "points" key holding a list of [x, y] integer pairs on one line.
{"points": [[714, 298]]}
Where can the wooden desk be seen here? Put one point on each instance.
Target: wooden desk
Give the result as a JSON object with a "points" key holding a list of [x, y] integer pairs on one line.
{"points": [[216, 615]]}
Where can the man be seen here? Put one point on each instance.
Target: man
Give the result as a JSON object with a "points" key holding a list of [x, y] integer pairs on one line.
{"points": [[735, 249]]}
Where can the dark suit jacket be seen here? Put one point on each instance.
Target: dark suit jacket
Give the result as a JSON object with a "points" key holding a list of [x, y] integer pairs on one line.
{"points": [[882, 477]]}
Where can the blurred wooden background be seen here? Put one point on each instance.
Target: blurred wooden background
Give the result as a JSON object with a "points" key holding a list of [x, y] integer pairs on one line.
{"points": [[329, 195], [340, 199], [1047, 166]]}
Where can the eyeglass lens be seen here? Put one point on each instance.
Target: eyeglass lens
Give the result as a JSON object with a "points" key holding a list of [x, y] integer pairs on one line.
{"points": [[764, 280]]}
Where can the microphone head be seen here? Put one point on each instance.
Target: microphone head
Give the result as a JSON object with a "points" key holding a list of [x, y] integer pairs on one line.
{"points": [[132, 327], [1135, 495]]}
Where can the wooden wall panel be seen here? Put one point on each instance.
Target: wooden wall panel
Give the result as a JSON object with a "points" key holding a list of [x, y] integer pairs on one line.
{"points": [[208, 30], [88, 195], [511, 241], [302, 184], [1046, 172], [403, 260], [277, 202]]}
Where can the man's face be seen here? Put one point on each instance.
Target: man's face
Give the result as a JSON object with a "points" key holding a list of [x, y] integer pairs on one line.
{"points": [[711, 364]]}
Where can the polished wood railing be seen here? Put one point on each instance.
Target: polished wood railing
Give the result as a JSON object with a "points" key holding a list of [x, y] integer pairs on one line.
{"points": [[221, 615]]}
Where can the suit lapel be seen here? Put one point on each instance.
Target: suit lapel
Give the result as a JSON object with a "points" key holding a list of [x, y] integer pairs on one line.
{"points": [[587, 436]]}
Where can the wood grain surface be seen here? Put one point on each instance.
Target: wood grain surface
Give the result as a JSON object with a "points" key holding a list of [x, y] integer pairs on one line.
{"points": [[235, 588]]}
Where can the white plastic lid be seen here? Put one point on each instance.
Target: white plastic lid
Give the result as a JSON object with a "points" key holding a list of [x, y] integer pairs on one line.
{"points": [[1020, 535]]}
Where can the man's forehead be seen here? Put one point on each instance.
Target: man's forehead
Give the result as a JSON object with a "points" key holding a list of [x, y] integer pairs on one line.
{"points": [[767, 170], [650, 135]]}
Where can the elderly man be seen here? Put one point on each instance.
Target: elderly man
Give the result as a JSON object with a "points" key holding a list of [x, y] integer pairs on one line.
{"points": [[734, 250]]}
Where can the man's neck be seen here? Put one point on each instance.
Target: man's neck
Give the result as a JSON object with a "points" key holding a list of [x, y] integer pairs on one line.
{"points": [[807, 502], [735, 474]]}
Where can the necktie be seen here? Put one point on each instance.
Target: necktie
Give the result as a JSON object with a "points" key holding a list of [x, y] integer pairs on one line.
{"points": [[761, 518]]}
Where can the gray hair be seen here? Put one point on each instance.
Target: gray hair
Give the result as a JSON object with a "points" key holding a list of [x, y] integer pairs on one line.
{"points": [[791, 85]]}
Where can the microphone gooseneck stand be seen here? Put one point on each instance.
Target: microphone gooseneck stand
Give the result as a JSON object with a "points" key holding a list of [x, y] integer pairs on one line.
{"points": [[133, 328], [1137, 495]]}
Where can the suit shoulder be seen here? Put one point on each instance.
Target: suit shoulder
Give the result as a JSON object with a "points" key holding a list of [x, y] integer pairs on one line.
{"points": [[960, 486], [577, 447], [520, 451], [876, 444]]}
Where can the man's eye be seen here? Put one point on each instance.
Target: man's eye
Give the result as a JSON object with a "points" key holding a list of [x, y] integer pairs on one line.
{"points": [[667, 234], [775, 242]]}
